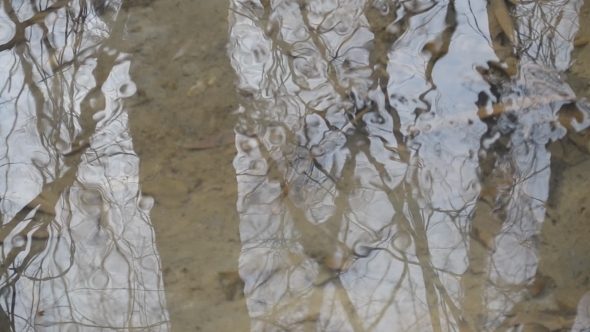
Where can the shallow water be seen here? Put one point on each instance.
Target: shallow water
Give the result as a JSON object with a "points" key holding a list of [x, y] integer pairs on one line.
{"points": [[319, 165]]}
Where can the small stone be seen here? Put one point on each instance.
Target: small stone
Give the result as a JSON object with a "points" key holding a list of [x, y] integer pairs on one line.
{"points": [[196, 89]]}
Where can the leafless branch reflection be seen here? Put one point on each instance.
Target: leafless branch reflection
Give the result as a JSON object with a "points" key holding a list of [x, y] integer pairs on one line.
{"points": [[78, 249], [392, 161]]}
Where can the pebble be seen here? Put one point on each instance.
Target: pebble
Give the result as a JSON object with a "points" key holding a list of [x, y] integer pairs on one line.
{"points": [[203, 83], [196, 89]]}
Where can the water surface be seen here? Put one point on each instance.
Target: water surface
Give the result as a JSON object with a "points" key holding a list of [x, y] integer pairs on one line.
{"points": [[294, 165]]}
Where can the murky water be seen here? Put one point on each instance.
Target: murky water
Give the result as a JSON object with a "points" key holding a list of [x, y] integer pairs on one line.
{"points": [[320, 165]]}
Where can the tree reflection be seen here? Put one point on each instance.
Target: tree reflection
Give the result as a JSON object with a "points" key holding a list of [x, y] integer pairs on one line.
{"points": [[78, 249], [391, 161]]}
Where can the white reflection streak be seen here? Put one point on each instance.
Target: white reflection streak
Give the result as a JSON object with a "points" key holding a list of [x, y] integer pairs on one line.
{"points": [[99, 268], [380, 294], [547, 30], [279, 277], [442, 169], [399, 287]]}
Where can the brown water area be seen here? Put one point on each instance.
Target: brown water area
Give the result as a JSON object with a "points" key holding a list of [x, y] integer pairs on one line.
{"points": [[295, 165]]}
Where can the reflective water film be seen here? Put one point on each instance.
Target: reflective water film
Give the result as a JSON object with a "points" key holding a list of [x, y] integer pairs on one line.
{"points": [[392, 165], [294, 165], [78, 249]]}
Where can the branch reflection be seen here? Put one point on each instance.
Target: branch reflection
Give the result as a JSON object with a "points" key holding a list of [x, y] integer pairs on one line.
{"points": [[392, 162], [78, 250]]}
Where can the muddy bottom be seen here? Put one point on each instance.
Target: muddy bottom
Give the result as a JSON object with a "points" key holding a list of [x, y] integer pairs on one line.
{"points": [[295, 165]]}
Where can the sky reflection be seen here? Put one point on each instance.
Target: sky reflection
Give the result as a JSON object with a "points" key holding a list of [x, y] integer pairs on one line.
{"points": [[368, 148], [78, 248]]}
